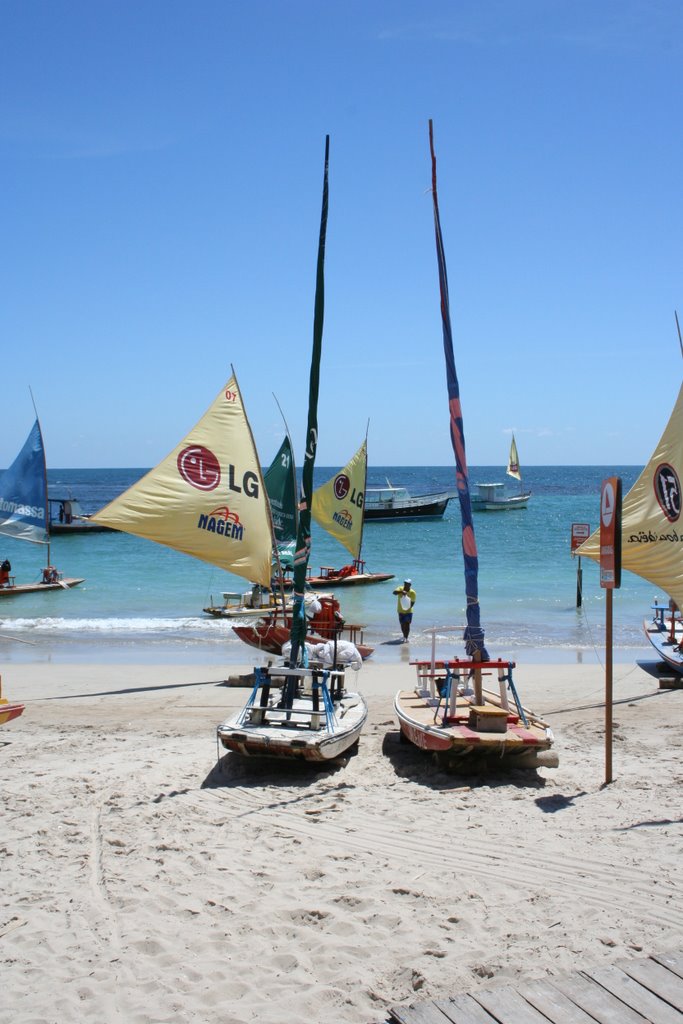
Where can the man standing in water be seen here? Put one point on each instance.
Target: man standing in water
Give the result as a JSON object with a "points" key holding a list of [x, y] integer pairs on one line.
{"points": [[406, 600]]}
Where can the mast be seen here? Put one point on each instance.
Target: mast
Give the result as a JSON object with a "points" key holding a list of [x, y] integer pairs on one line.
{"points": [[47, 503], [303, 535], [474, 634]]}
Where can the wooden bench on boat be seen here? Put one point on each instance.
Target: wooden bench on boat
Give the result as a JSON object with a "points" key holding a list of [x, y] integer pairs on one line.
{"points": [[326, 687], [441, 681]]}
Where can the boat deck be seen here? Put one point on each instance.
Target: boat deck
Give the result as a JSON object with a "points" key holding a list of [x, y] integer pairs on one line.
{"points": [[627, 992], [485, 726]]}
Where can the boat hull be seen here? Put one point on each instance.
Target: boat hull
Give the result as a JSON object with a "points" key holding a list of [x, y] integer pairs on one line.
{"points": [[294, 740], [353, 579], [270, 636], [430, 508], [35, 588], [10, 711], [515, 745], [668, 648], [500, 505]]}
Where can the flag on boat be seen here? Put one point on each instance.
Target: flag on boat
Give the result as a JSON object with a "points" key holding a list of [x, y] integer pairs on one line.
{"points": [[23, 492], [651, 525], [338, 504], [207, 498], [474, 634], [280, 481], [513, 461]]}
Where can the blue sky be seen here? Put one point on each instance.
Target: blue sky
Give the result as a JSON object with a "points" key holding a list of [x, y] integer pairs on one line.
{"points": [[161, 167]]}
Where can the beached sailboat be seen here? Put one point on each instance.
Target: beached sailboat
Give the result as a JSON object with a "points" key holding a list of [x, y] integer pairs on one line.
{"points": [[495, 497], [302, 709], [24, 516], [9, 711], [651, 537], [449, 712]]}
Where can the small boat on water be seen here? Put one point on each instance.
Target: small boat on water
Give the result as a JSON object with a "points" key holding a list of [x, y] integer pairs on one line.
{"points": [[450, 713], [24, 516], [67, 518], [390, 503], [496, 497], [337, 508], [247, 605]]}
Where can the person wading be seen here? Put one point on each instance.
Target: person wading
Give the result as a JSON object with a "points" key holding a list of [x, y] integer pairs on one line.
{"points": [[406, 600]]}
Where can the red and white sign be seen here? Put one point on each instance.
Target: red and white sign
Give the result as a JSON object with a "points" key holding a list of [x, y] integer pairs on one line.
{"points": [[610, 533], [580, 533]]}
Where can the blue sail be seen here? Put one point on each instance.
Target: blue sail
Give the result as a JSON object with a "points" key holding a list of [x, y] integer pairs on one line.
{"points": [[474, 634], [23, 493]]}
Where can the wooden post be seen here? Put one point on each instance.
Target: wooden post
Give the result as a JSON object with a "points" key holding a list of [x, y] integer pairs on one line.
{"points": [[608, 687]]}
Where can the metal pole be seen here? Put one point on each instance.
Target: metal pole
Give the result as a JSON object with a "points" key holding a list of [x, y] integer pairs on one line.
{"points": [[579, 583], [608, 687]]}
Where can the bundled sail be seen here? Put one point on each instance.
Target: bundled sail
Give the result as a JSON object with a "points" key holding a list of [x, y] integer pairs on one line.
{"points": [[513, 461], [338, 504], [280, 479], [207, 498], [23, 493], [651, 529]]}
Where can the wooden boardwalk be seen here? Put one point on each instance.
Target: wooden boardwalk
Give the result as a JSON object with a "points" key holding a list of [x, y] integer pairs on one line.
{"points": [[628, 992]]}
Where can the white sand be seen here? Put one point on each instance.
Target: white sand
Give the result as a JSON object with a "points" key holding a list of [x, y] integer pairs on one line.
{"points": [[141, 885]]}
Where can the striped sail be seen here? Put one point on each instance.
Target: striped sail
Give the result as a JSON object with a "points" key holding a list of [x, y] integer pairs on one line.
{"points": [[338, 504], [207, 498], [474, 634], [651, 515]]}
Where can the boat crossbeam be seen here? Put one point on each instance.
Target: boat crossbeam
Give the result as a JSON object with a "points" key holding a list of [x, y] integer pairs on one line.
{"points": [[262, 708]]}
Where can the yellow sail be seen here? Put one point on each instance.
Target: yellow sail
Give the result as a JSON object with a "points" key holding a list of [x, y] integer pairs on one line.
{"points": [[651, 527], [338, 505], [207, 498], [513, 461]]}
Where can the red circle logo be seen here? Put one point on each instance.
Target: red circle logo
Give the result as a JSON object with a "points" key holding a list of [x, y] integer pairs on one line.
{"points": [[341, 486], [199, 467]]}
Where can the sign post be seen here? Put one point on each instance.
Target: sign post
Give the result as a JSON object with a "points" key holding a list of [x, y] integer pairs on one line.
{"points": [[610, 580], [580, 533]]}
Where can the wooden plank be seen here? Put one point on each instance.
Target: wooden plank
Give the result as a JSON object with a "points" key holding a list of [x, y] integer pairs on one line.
{"points": [[631, 992], [465, 1010], [658, 979], [420, 1013], [507, 1006], [672, 961], [599, 1004], [554, 1005]]}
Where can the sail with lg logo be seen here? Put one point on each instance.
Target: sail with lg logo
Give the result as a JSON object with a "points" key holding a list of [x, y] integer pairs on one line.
{"points": [[668, 491]]}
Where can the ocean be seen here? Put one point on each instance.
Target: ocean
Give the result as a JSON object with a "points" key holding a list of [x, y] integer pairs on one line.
{"points": [[143, 602]]}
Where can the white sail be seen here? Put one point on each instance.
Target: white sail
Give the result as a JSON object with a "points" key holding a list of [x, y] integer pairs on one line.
{"points": [[207, 498], [651, 528], [513, 461]]}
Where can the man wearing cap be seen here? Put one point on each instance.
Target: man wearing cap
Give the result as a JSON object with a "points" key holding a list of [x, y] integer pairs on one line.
{"points": [[406, 600]]}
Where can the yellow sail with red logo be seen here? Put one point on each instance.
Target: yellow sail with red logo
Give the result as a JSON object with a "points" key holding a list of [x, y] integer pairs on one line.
{"points": [[651, 524], [338, 505], [207, 498]]}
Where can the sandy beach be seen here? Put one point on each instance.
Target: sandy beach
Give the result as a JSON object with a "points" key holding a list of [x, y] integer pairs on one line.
{"points": [[140, 883]]}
